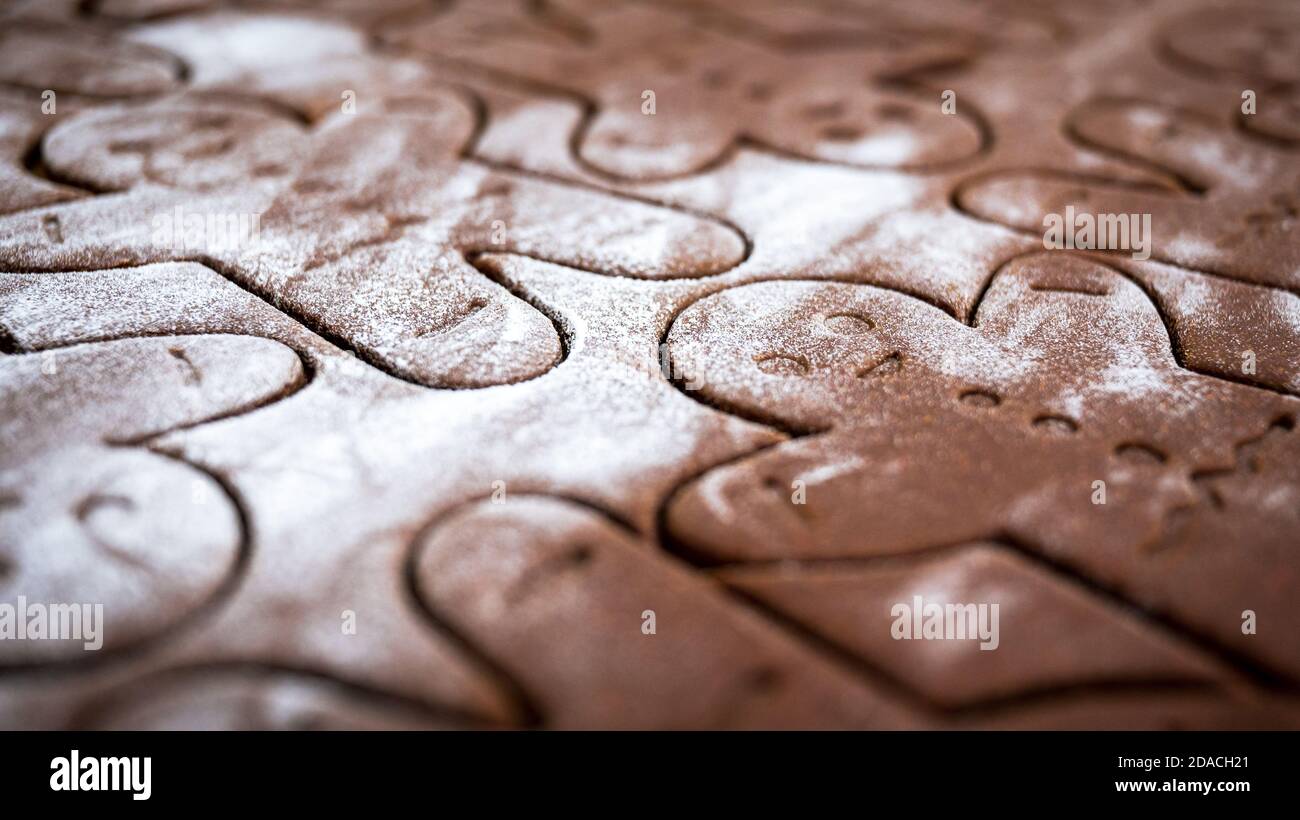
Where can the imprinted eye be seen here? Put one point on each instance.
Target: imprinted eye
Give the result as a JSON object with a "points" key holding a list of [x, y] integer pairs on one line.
{"points": [[780, 364], [848, 323]]}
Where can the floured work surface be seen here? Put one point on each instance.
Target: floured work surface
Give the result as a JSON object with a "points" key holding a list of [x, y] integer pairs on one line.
{"points": [[649, 364]]}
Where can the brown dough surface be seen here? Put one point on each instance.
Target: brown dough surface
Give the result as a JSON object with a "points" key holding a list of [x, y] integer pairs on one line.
{"points": [[591, 364]]}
